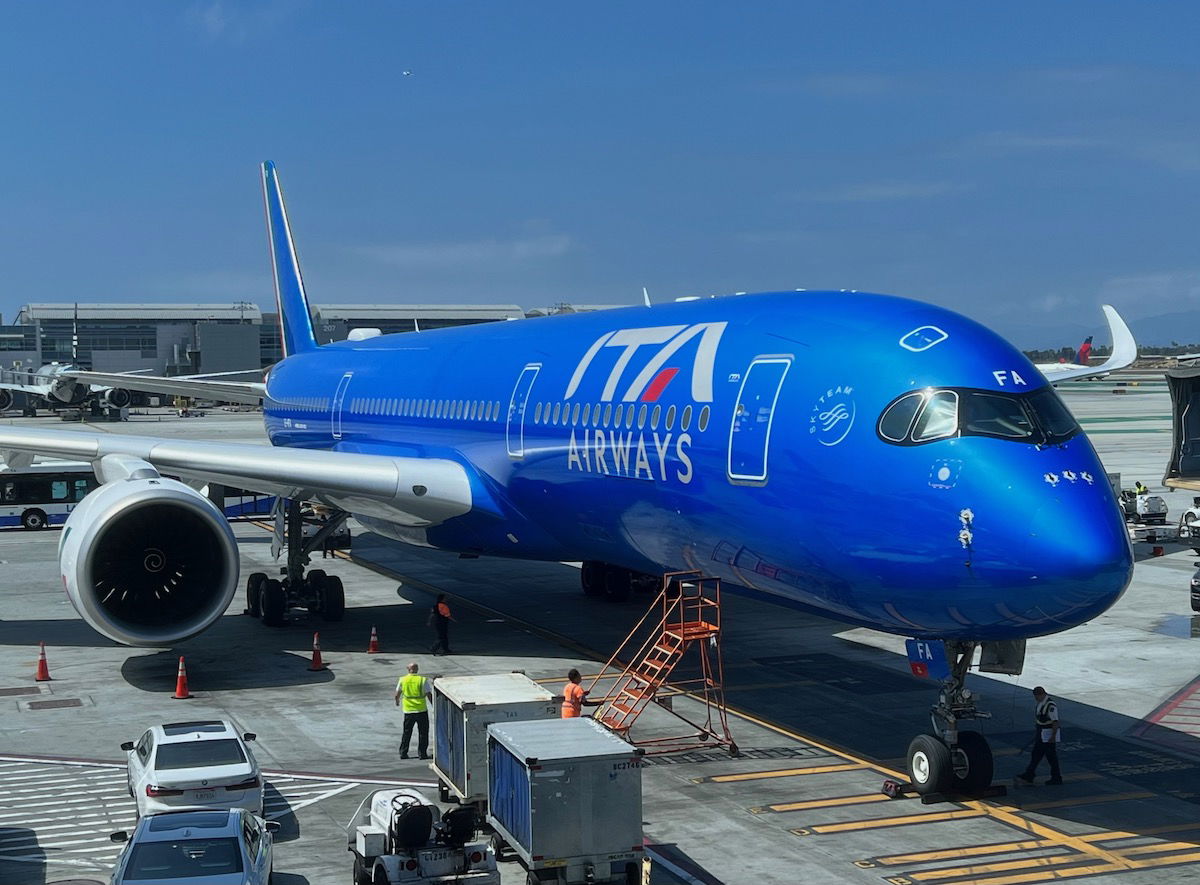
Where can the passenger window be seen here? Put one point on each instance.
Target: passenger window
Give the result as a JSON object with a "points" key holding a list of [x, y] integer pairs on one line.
{"points": [[702, 423], [685, 420], [81, 489], [654, 417], [587, 410], [670, 418], [939, 418], [58, 490], [596, 415], [617, 418], [575, 415], [557, 411], [607, 413], [898, 419], [642, 416], [629, 416]]}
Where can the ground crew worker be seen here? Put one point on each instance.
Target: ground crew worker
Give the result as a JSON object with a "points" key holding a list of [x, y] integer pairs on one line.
{"points": [[1140, 489], [574, 697], [413, 690], [1045, 739], [440, 618]]}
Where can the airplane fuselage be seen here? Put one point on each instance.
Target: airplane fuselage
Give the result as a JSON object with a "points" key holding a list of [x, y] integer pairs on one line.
{"points": [[742, 436]]}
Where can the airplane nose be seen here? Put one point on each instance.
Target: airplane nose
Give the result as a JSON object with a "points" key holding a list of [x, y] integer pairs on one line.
{"points": [[1074, 544]]}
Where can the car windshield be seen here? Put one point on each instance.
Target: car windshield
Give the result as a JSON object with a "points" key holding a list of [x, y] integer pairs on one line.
{"points": [[199, 754], [183, 859], [916, 417]]}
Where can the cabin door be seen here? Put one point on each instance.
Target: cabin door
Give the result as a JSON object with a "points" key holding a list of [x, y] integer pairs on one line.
{"points": [[750, 429], [514, 432]]}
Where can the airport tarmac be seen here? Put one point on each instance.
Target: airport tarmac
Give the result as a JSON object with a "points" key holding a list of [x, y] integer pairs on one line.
{"points": [[823, 713]]}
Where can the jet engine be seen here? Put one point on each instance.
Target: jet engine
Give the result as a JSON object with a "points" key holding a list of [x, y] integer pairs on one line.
{"points": [[6, 399], [147, 560], [117, 397]]}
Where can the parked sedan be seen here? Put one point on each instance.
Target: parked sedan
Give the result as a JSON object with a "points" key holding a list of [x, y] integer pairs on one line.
{"points": [[229, 847], [193, 765]]}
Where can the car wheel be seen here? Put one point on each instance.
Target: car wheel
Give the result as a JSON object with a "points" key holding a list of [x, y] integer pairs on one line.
{"points": [[33, 520]]}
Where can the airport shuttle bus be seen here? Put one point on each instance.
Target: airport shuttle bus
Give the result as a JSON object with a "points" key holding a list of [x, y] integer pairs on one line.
{"points": [[44, 494]]}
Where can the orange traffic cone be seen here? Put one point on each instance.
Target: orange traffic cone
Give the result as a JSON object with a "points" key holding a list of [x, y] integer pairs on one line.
{"points": [[181, 688], [43, 670], [316, 664], [373, 645], [1158, 551]]}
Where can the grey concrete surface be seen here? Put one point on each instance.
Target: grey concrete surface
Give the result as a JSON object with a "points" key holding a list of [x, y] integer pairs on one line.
{"points": [[825, 713]]}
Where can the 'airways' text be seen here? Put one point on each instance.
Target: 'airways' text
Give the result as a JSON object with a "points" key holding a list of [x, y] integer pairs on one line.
{"points": [[630, 454]]}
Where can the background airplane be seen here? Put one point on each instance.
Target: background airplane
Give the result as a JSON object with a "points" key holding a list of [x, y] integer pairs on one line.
{"points": [[1124, 352], [55, 385], [766, 439]]}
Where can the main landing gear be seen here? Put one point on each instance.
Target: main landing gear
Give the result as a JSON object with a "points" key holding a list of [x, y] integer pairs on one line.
{"points": [[949, 760], [614, 583], [270, 598]]}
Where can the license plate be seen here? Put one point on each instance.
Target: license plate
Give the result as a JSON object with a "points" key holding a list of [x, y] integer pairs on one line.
{"points": [[204, 795], [434, 856]]}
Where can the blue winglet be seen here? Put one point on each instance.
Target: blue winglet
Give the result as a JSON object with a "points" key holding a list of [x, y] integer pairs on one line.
{"points": [[295, 318]]}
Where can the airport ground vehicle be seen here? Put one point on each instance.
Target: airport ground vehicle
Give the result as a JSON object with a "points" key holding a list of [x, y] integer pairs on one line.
{"points": [[1145, 509], [397, 836], [1195, 591], [43, 494], [203, 764], [230, 846]]}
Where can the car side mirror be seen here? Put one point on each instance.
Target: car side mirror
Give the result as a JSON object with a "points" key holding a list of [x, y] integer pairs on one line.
{"points": [[119, 836], [249, 736], [127, 746], [273, 826]]}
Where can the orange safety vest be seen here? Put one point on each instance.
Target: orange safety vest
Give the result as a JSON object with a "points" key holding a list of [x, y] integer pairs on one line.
{"points": [[572, 704], [443, 610]]}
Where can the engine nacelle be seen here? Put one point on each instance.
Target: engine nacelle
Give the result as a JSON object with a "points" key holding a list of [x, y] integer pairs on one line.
{"points": [[117, 397], [148, 561]]}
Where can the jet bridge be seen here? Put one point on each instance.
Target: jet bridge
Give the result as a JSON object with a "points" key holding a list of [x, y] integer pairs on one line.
{"points": [[1183, 467]]}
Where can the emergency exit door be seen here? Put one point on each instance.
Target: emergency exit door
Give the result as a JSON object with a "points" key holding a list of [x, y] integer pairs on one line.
{"points": [[514, 432], [750, 429]]}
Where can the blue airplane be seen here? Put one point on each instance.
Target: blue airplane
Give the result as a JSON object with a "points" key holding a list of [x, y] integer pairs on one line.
{"points": [[879, 461]]}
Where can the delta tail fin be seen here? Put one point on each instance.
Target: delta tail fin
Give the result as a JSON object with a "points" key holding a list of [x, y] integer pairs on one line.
{"points": [[295, 317]]}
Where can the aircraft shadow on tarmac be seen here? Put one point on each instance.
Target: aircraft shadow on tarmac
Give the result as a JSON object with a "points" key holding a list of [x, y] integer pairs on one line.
{"points": [[31, 868], [280, 810]]}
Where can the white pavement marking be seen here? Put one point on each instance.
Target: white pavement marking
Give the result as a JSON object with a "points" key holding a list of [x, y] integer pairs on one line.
{"points": [[293, 809]]}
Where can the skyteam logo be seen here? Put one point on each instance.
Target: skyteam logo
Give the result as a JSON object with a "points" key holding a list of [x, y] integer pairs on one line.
{"points": [[833, 415], [648, 384]]}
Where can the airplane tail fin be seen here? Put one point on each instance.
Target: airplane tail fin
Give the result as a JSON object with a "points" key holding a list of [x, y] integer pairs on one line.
{"points": [[1085, 351], [295, 317]]}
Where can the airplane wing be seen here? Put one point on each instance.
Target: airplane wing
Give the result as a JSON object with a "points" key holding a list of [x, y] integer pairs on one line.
{"points": [[26, 382], [1124, 352], [207, 386], [412, 491]]}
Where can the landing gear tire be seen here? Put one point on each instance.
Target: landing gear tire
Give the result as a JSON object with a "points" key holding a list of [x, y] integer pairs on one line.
{"points": [[971, 763], [929, 766], [273, 602], [333, 598], [591, 578], [254, 594], [33, 520], [618, 584]]}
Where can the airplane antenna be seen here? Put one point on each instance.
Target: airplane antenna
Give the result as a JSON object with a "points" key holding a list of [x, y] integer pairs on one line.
{"points": [[645, 296]]}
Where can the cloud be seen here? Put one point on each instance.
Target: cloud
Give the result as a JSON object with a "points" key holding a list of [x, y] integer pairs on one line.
{"points": [[1176, 155], [213, 286], [1170, 289], [888, 191], [834, 85], [488, 251], [218, 21]]}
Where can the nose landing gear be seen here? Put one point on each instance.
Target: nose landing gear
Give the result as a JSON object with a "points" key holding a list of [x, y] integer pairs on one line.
{"points": [[949, 760]]}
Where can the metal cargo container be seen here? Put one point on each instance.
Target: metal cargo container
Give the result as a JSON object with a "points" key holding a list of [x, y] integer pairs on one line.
{"points": [[463, 708], [567, 797]]}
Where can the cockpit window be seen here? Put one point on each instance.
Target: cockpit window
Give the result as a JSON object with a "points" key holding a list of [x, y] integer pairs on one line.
{"points": [[1039, 418], [939, 418], [995, 414], [897, 418]]}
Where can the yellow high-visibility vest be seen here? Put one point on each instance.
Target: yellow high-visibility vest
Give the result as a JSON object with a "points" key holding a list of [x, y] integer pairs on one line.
{"points": [[412, 690]]}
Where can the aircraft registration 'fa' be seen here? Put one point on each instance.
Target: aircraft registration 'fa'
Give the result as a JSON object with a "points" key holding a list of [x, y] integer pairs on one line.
{"points": [[878, 460]]}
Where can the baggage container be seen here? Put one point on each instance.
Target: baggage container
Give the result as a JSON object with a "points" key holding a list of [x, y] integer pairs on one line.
{"points": [[463, 708], [566, 795]]}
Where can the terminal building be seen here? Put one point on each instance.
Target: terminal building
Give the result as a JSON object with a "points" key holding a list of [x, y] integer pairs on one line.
{"points": [[185, 339]]}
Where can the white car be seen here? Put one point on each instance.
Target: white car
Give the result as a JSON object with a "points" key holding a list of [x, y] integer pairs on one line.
{"points": [[193, 765], [222, 847]]}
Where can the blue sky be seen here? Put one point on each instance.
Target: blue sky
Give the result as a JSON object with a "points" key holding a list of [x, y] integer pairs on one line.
{"points": [[1022, 163]]}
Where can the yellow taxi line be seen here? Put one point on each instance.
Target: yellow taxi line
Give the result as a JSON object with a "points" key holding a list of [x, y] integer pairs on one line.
{"points": [[861, 799], [783, 772], [884, 822], [889, 860]]}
